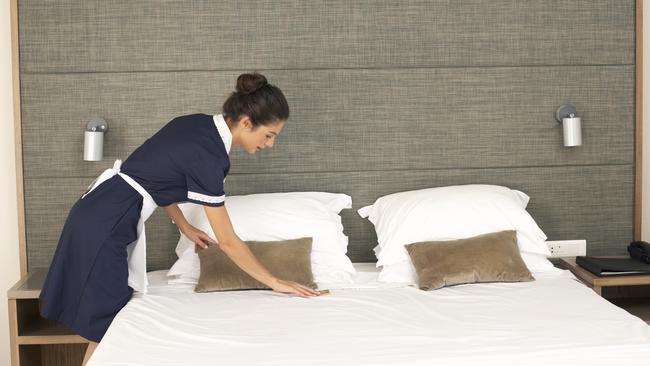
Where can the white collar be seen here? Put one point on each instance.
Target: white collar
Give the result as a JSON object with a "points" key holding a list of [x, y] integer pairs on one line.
{"points": [[224, 131]]}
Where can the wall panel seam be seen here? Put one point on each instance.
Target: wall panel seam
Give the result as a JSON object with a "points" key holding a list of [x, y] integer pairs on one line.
{"points": [[318, 69], [376, 170]]}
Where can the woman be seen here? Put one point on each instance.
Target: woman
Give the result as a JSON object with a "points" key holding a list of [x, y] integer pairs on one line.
{"points": [[89, 280]]}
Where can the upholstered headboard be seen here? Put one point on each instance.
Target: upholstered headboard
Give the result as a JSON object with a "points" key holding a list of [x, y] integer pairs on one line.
{"points": [[385, 96]]}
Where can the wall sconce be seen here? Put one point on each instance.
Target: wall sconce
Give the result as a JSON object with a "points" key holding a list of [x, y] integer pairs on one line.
{"points": [[566, 116], [94, 139]]}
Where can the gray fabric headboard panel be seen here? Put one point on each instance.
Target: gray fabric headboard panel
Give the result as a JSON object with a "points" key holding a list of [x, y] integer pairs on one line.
{"points": [[385, 97], [154, 35], [591, 202]]}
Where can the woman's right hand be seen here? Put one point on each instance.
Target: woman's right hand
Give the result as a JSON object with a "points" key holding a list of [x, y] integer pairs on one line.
{"points": [[198, 237], [290, 287]]}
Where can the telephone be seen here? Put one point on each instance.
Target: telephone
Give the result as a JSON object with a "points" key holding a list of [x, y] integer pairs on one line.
{"points": [[640, 250]]}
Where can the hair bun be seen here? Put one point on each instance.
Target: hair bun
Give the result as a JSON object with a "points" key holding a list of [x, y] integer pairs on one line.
{"points": [[249, 83]]}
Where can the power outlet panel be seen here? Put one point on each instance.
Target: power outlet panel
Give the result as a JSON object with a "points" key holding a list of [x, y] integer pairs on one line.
{"points": [[567, 248]]}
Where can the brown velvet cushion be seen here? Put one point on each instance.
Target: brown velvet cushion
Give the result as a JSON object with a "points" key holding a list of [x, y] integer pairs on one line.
{"points": [[492, 257], [286, 259]]}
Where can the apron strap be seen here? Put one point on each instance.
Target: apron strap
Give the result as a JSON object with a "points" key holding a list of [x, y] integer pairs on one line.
{"points": [[106, 174]]}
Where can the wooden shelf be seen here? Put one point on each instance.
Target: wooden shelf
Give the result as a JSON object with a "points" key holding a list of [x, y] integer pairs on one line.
{"points": [[34, 339], [45, 331], [28, 287], [583, 274], [65, 339]]}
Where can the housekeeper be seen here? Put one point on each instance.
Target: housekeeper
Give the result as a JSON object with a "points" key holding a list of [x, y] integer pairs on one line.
{"points": [[90, 278]]}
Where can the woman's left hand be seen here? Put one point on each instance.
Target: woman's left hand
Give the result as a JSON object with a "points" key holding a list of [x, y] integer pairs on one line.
{"points": [[197, 236], [290, 287]]}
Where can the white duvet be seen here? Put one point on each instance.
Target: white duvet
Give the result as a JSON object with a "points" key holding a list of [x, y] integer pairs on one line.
{"points": [[554, 320]]}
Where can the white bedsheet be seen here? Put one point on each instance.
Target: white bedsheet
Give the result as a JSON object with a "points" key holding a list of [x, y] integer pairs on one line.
{"points": [[554, 320]]}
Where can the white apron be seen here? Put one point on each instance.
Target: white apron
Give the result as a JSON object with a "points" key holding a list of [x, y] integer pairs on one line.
{"points": [[136, 251]]}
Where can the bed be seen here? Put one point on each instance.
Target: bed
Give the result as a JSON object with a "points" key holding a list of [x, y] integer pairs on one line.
{"points": [[553, 320]]}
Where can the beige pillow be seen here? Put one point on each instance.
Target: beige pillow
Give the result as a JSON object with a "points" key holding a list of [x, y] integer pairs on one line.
{"points": [[492, 257], [286, 259]]}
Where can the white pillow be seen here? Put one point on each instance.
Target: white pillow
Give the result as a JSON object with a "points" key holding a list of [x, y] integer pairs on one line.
{"points": [[366, 278], [277, 216], [404, 272], [537, 263], [448, 213]]}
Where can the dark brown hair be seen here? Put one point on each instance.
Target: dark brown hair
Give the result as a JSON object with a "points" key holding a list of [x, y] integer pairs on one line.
{"points": [[254, 97]]}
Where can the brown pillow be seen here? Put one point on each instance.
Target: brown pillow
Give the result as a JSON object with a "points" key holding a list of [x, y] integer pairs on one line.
{"points": [[286, 259], [492, 257]]}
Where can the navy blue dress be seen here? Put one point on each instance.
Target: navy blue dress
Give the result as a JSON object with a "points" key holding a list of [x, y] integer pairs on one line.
{"points": [[87, 283]]}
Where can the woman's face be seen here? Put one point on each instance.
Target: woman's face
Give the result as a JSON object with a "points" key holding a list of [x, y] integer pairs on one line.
{"points": [[254, 139]]}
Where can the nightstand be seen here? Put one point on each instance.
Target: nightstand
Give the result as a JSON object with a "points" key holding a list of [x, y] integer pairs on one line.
{"points": [[631, 293], [35, 340]]}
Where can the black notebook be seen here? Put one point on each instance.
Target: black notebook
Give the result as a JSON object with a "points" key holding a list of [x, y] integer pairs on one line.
{"points": [[613, 266]]}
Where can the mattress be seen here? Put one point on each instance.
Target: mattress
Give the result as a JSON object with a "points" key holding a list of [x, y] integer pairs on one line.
{"points": [[553, 320]]}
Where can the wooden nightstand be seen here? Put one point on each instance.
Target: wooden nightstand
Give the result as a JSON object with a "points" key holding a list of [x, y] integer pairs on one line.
{"points": [[631, 293], [35, 340]]}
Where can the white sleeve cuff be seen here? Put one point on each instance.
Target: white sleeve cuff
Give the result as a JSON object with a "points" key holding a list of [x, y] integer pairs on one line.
{"points": [[205, 198]]}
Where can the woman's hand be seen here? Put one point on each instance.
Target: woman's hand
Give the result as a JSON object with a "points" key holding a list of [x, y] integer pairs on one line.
{"points": [[289, 287], [197, 236]]}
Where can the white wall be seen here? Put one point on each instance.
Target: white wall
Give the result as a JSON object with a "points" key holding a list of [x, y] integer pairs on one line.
{"points": [[9, 262], [645, 215]]}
